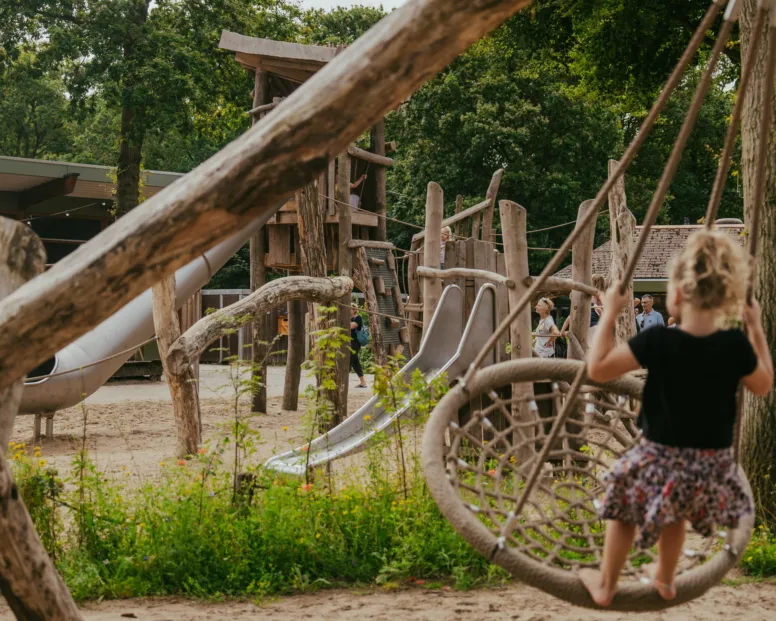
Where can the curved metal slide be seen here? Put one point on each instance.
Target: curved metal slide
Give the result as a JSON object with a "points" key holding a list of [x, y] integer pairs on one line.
{"points": [[128, 328], [448, 348]]}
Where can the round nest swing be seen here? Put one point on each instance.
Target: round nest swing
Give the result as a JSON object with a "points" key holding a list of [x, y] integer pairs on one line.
{"points": [[479, 473]]}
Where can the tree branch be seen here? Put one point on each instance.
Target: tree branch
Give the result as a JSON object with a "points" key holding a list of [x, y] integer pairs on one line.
{"points": [[190, 345]]}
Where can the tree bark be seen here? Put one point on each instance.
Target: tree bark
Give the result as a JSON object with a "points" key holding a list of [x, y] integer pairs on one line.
{"points": [[130, 157], [22, 258], [181, 380], [246, 180], [28, 580], [514, 224], [488, 233], [378, 147], [295, 357], [345, 260], [258, 250], [582, 271], [132, 131], [758, 432], [363, 280], [622, 225], [312, 246], [188, 347], [432, 287]]}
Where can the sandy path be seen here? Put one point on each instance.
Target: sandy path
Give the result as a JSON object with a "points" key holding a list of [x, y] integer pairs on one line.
{"points": [[749, 602], [129, 428]]}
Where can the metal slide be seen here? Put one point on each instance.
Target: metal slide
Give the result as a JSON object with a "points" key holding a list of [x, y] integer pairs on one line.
{"points": [[129, 327], [447, 348]]}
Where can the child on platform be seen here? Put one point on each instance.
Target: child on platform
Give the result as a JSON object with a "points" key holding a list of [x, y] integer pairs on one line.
{"points": [[683, 469]]}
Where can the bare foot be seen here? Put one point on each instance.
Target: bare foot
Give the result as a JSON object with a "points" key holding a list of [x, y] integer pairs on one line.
{"points": [[666, 590], [591, 578]]}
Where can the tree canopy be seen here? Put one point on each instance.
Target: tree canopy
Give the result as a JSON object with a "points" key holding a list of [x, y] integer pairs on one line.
{"points": [[549, 97]]}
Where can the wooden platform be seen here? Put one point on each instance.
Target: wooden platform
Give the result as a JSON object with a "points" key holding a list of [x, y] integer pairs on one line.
{"points": [[287, 215]]}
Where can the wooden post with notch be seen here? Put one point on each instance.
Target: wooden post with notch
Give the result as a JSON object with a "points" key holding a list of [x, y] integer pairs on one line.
{"points": [[581, 271], [28, 580], [458, 208], [488, 234], [623, 227], [182, 384], [514, 226], [432, 256]]}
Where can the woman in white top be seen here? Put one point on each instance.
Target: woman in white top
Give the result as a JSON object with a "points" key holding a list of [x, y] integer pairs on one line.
{"points": [[545, 345]]}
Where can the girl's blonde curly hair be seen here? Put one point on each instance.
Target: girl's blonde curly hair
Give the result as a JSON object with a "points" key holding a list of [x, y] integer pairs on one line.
{"points": [[712, 272]]}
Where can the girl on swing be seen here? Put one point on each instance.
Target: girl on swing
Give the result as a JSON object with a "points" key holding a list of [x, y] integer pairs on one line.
{"points": [[683, 469]]}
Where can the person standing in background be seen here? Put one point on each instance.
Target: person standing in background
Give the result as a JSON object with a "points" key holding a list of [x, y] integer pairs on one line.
{"points": [[649, 318], [356, 324], [355, 199], [547, 330]]}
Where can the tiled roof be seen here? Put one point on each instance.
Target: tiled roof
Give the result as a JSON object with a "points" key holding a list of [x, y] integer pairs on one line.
{"points": [[663, 243]]}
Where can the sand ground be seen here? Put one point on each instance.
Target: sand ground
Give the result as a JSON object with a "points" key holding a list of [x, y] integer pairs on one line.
{"points": [[129, 430]]}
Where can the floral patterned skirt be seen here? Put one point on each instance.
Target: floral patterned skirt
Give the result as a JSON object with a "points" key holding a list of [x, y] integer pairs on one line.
{"points": [[653, 485]]}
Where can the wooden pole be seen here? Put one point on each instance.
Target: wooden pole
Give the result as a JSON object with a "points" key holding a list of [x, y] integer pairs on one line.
{"points": [[488, 234], [28, 580], [623, 227], [378, 147], [432, 256], [458, 208], [295, 357], [582, 271], [345, 269], [182, 384], [258, 276], [514, 226]]}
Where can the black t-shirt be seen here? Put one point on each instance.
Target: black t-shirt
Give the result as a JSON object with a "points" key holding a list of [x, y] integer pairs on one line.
{"points": [[354, 344], [690, 395]]}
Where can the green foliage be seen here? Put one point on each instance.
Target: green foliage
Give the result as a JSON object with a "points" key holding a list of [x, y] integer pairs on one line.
{"points": [[759, 560], [201, 529], [32, 106], [340, 26], [499, 107]]}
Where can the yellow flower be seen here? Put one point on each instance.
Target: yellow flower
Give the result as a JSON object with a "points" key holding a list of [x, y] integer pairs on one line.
{"points": [[42, 463], [162, 464], [367, 417], [285, 428], [37, 451], [317, 535], [749, 559]]}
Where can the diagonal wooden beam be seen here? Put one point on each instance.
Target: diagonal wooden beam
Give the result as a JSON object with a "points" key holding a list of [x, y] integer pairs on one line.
{"points": [[53, 188], [245, 181]]}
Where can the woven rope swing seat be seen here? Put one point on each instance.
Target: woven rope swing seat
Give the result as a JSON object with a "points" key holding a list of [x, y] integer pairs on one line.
{"points": [[479, 474], [515, 453]]}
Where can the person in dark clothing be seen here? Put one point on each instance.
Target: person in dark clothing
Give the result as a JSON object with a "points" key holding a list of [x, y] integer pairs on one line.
{"points": [[356, 324]]}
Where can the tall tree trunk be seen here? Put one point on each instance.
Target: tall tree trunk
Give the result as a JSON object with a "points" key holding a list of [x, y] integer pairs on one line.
{"points": [[182, 384], [758, 433], [130, 158], [312, 246], [132, 130]]}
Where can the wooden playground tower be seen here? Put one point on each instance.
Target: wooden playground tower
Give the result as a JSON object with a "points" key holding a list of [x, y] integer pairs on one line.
{"points": [[353, 241]]}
